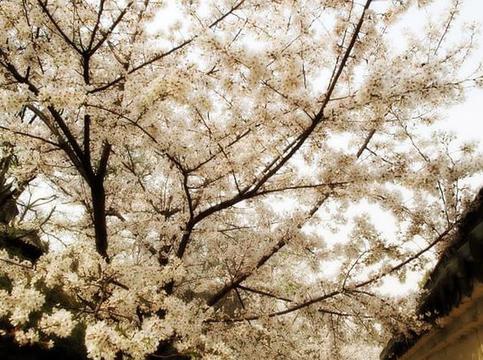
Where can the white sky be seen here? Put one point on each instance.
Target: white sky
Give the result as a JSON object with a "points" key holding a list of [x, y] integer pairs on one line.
{"points": [[466, 119]]}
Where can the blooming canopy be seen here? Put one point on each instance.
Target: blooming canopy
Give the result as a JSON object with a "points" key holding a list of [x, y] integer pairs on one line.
{"points": [[168, 140]]}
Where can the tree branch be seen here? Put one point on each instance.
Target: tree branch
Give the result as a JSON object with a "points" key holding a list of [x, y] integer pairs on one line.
{"points": [[348, 288], [111, 29], [164, 54], [69, 41], [251, 191]]}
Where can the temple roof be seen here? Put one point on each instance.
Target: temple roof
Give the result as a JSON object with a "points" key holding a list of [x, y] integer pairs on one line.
{"points": [[459, 268]]}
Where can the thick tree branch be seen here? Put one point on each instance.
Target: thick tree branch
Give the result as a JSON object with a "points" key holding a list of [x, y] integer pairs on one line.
{"points": [[356, 286], [220, 294], [98, 197], [366, 142], [251, 191], [79, 158], [102, 168], [45, 10]]}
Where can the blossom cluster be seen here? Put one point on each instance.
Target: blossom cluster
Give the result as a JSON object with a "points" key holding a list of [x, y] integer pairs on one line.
{"points": [[204, 173]]}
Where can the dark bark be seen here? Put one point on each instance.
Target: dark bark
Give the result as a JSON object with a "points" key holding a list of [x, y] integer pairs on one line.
{"points": [[220, 294], [98, 195]]}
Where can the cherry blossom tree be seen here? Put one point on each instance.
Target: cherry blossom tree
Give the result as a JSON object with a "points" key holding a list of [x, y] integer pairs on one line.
{"points": [[168, 142]]}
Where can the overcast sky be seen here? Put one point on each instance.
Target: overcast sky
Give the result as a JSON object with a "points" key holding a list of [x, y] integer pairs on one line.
{"points": [[465, 119]]}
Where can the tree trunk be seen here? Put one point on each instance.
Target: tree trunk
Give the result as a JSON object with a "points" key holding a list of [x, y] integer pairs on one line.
{"points": [[99, 216]]}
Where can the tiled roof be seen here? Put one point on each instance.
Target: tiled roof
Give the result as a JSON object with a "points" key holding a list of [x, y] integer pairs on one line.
{"points": [[453, 278]]}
